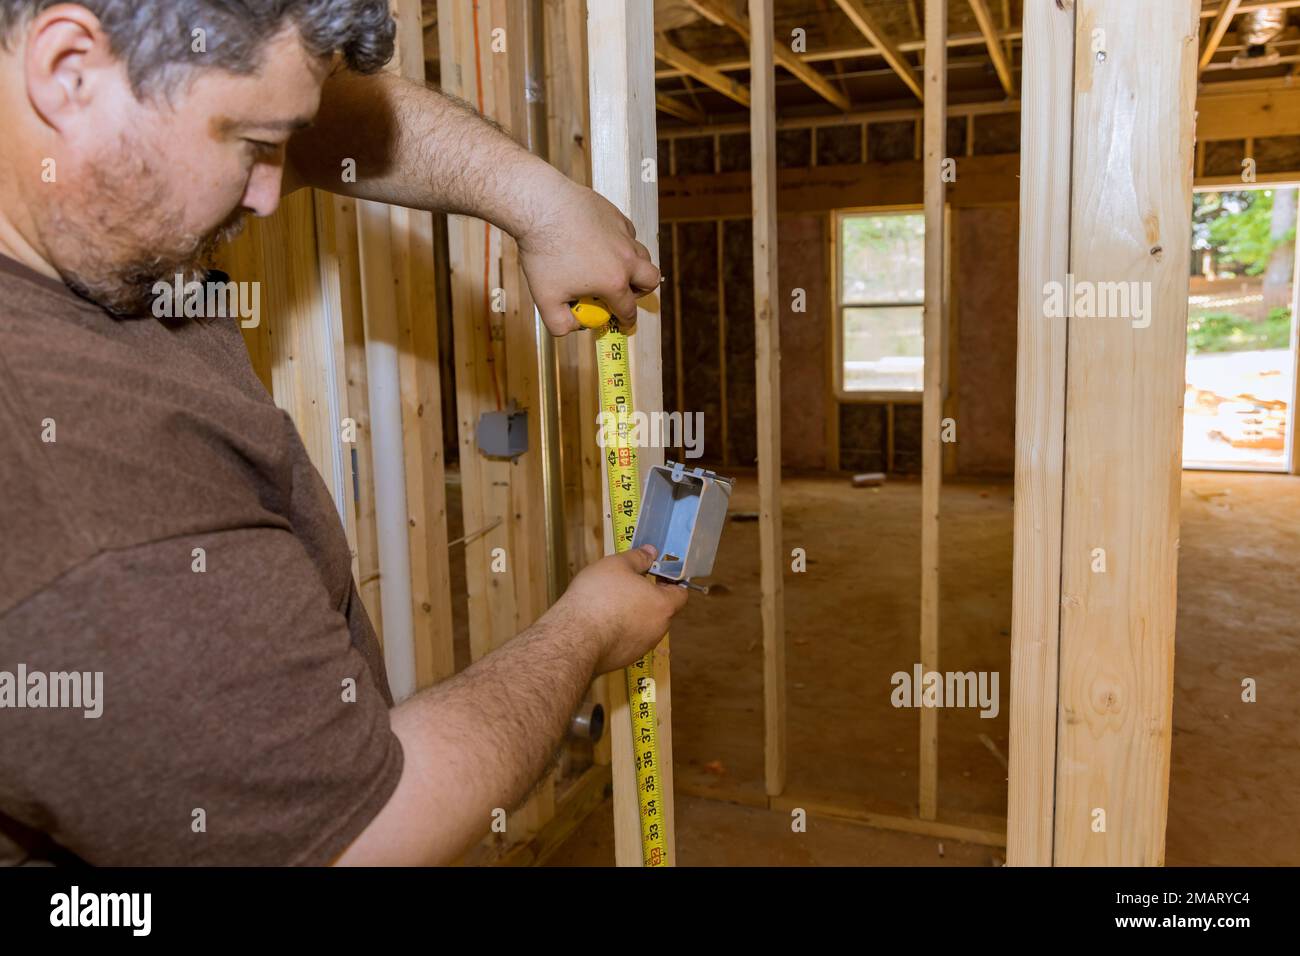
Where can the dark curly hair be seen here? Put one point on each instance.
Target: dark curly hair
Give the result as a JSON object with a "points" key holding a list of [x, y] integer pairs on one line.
{"points": [[155, 37]]}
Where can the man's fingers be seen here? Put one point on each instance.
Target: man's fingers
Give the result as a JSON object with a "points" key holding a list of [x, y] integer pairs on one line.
{"points": [[640, 558], [645, 276], [623, 305], [558, 318], [675, 596]]}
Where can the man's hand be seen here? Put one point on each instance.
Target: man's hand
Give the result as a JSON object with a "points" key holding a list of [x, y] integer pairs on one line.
{"points": [[626, 611], [416, 147], [480, 739], [581, 245]]}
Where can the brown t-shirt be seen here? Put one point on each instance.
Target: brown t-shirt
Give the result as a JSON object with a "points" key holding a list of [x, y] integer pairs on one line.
{"points": [[228, 733]]}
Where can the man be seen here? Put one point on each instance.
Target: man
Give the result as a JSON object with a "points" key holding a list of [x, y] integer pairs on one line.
{"points": [[164, 535]]}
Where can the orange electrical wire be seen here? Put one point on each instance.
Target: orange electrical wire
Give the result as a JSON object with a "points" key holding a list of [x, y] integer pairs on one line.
{"points": [[487, 229]]}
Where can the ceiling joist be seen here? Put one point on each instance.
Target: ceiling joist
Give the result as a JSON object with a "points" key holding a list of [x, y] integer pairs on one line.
{"points": [[683, 111], [1218, 28], [993, 41], [865, 21], [701, 71], [717, 14]]}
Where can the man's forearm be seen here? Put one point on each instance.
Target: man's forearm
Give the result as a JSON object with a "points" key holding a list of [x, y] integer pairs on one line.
{"points": [[414, 146], [478, 741]]}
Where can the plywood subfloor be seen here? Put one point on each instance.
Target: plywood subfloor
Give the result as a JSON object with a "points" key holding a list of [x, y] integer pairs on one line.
{"points": [[852, 623]]}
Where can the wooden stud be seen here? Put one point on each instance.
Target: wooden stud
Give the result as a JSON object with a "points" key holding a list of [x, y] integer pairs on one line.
{"points": [[620, 58], [867, 25], [678, 366], [338, 293], [1123, 433], [566, 104], [416, 302], [936, 62], [342, 211], [1045, 143], [834, 369], [767, 347], [480, 383], [723, 406]]}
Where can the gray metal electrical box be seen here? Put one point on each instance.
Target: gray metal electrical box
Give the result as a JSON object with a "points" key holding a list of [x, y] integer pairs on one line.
{"points": [[503, 434], [682, 515]]}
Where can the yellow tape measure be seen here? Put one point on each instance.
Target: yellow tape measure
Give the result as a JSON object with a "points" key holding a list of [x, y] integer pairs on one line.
{"points": [[613, 370]]}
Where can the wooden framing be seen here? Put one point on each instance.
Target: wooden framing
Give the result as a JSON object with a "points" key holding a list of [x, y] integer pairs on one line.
{"points": [[740, 25], [767, 348], [865, 21], [1045, 138], [1114, 386], [1117, 628], [620, 55], [353, 313], [495, 362], [700, 71], [936, 68], [994, 43], [833, 54], [679, 109], [1214, 36]]}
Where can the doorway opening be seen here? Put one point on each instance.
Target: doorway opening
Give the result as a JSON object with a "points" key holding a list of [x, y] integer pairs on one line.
{"points": [[1241, 330]]}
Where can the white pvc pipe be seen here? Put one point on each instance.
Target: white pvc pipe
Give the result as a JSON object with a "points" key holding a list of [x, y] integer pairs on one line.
{"points": [[384, 386]]}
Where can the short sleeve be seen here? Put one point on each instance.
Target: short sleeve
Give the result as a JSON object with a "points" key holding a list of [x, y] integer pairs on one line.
{"points": [[237, 723]]}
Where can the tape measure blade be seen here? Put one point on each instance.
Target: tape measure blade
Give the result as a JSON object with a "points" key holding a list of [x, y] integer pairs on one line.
{"points": [[614, 374]]}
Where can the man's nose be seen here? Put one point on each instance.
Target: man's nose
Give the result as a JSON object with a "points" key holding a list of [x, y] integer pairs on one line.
{"points": [[263, 193]]}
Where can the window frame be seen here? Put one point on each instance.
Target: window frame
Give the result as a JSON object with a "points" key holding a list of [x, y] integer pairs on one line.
{"points": [[874, 396]]}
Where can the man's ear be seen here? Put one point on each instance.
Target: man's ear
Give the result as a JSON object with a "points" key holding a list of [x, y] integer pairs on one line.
{"points": [[65, 58]]}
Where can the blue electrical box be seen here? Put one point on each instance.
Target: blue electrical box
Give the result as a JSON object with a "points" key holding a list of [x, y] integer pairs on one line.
{"points": [[682, 515]]}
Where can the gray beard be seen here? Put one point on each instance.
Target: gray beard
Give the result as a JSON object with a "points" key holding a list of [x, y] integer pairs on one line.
{"points": [[125, 287]]}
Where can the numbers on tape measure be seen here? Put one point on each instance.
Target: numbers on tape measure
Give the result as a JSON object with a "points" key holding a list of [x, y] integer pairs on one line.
{"points": [[624, 503]]}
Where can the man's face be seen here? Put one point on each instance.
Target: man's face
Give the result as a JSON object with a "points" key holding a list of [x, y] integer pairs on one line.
{"points": [[148, 188]]}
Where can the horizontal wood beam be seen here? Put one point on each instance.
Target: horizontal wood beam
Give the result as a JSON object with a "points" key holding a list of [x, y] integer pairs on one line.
{"points": [[983, 830], [1224, 111], [1208, 12], [701, 71], [871, 116], [981, 180], [850, 52], [1239, 115], [865, 21]]}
